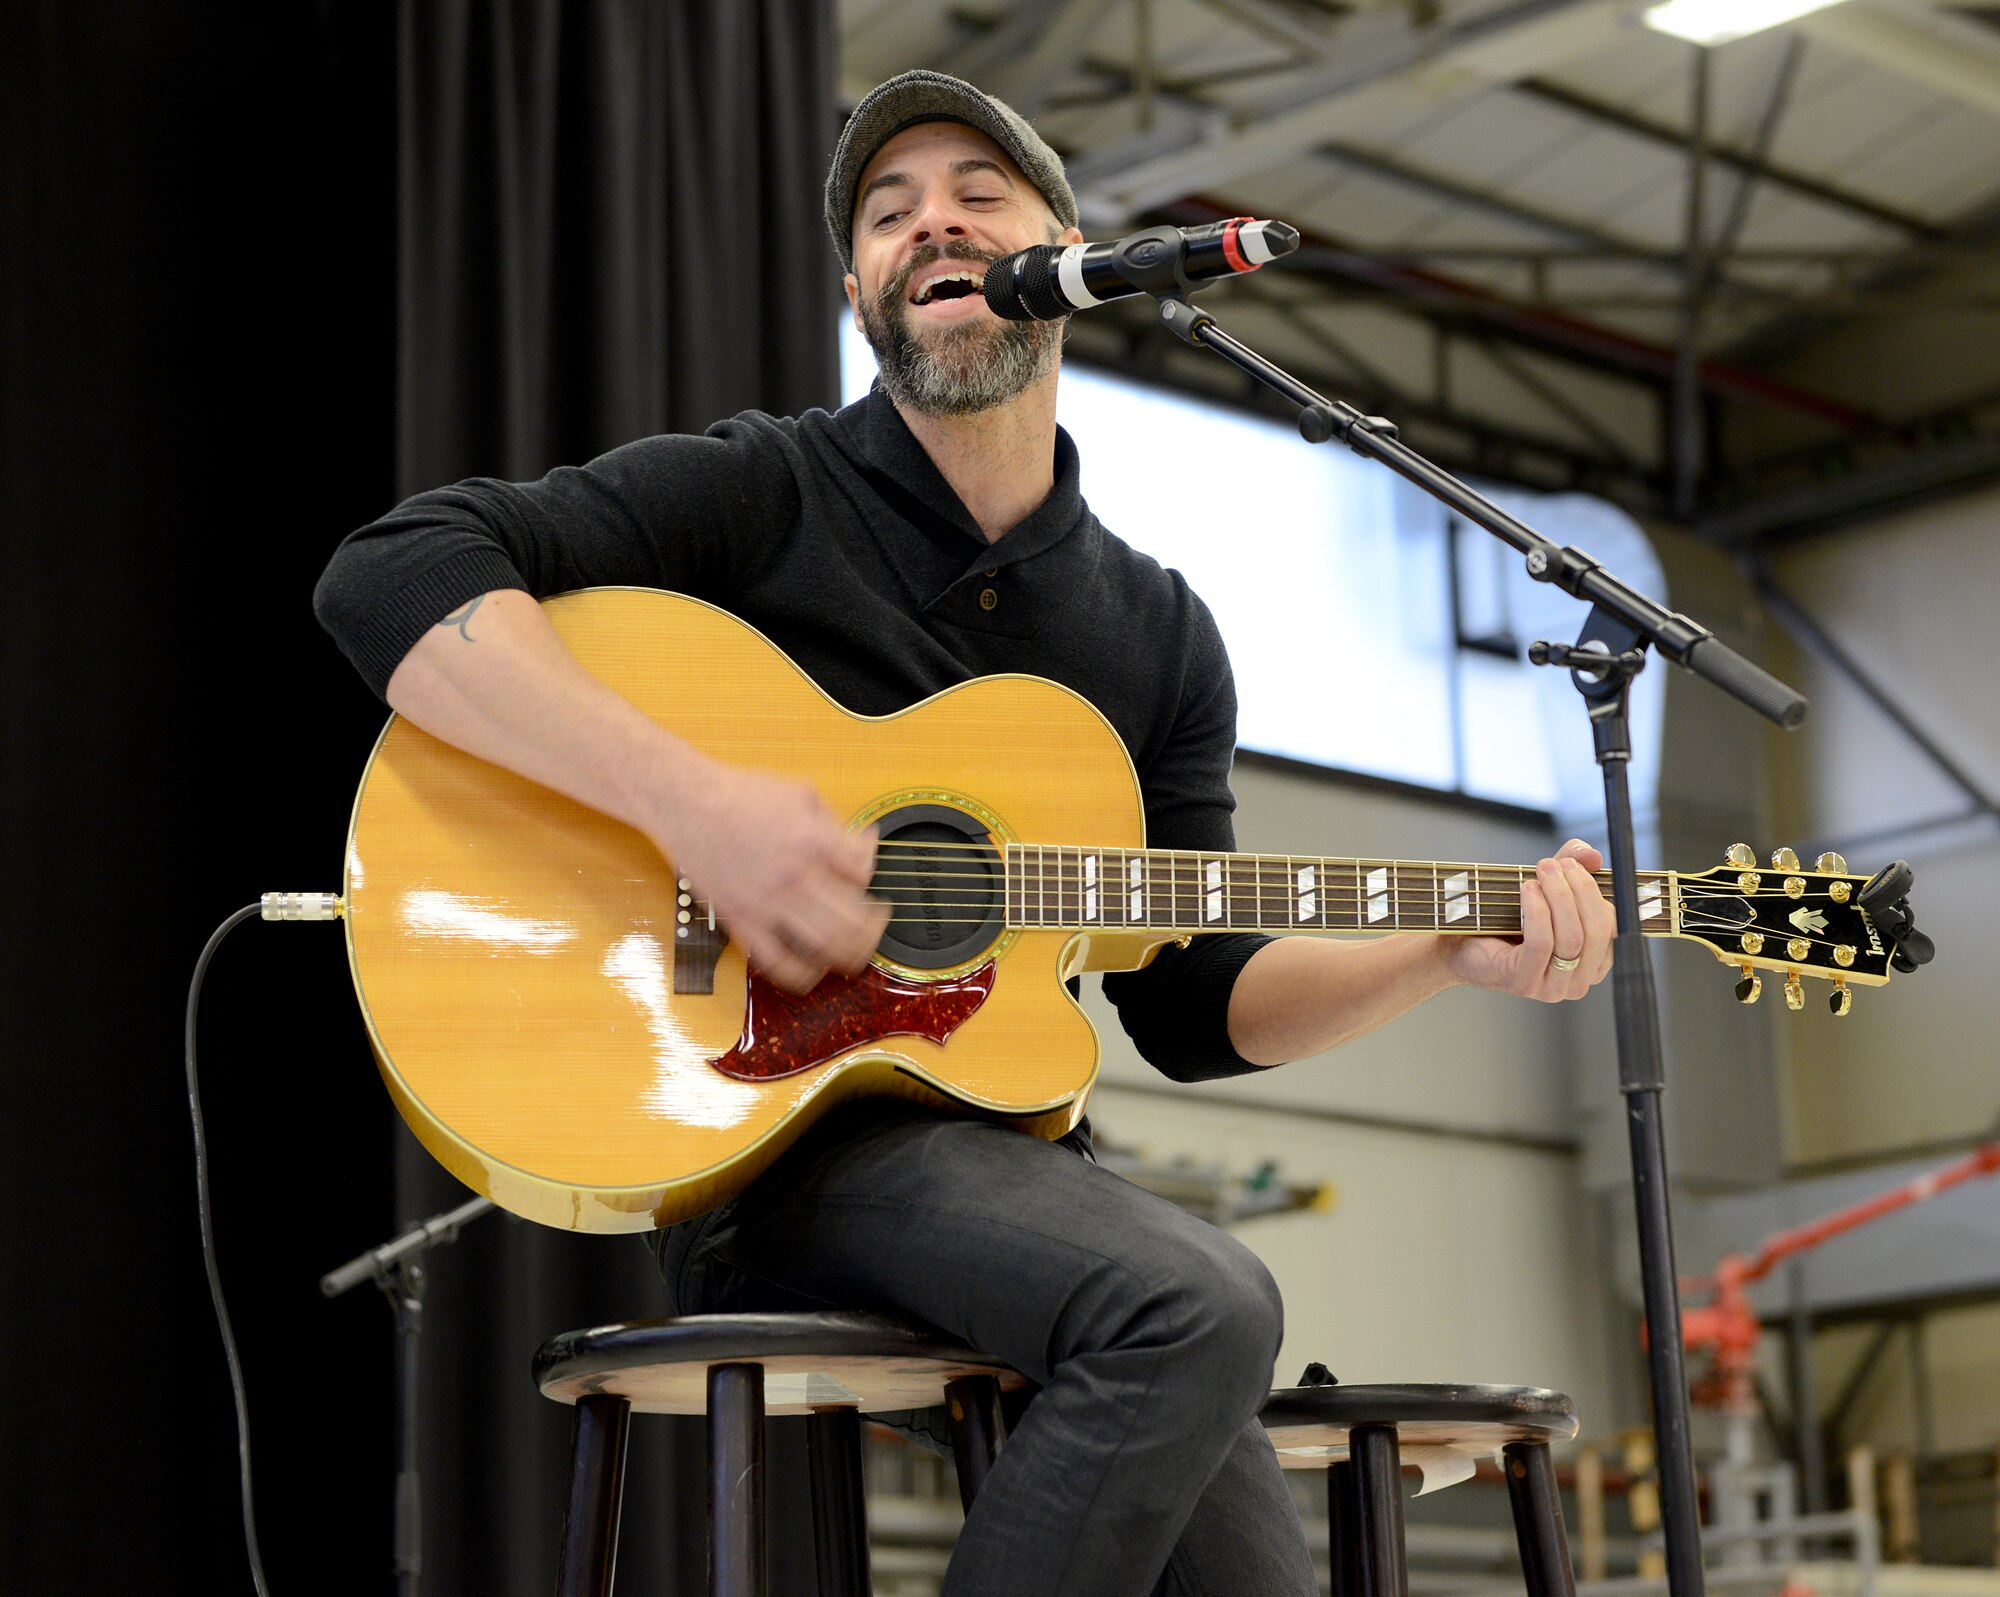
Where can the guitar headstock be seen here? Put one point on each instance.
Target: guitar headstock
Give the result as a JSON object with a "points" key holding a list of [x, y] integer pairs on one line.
{"points": [[1823, 922]]}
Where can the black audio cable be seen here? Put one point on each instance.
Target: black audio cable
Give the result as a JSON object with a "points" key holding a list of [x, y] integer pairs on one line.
{"points": [[272, 906]]}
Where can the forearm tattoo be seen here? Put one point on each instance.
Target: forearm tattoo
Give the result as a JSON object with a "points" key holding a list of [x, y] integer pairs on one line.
{"points": [[462, 618]]}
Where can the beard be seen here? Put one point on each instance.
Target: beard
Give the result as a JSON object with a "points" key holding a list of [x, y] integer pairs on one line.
{"points": [[963, 367]]}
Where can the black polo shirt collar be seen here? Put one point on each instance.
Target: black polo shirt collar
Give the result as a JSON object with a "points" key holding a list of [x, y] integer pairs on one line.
{"points": [[1011, 586]]}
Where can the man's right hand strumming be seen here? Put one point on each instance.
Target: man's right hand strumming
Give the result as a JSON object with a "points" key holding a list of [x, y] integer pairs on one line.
{"points": [[785, 876]]}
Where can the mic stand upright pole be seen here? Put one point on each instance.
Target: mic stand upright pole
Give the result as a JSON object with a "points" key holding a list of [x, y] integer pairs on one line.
{"points": [[1610, 651], [397, 1268]]}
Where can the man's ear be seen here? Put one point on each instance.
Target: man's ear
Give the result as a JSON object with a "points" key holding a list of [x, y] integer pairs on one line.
{"points": [[852, 284], [1069, 235]]}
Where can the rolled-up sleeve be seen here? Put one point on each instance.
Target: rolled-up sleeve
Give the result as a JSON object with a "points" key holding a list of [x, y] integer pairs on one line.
{"points": [[694, 514]]}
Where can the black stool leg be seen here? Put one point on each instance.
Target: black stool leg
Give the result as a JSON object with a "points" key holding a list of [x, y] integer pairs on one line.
{"points": [[736, 1481], [976, 1430], [840, 1518], [1343, 1527], [1378, 1473], [1538, 1519], [596, 1488]]}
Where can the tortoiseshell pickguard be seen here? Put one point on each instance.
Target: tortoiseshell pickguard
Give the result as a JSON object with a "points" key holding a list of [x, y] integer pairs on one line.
{"points": [[785, 1033]]}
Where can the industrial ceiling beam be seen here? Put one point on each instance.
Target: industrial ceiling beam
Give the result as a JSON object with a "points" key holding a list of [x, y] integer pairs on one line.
{"points": [[1440, 298], [1554, 399], [1859, 273], [1277, 23], [1499, 43], [1447, 301], [1804, 184], [1380, 385], [1450, 301], [1027, 79], [1142, 351], [1839, 303], [1024, 55], [1117, 82], [997, 41], [1899, 278], [1944, 53], [1473, 197], [1686, 431], [1823, 506], [1775, 106]]}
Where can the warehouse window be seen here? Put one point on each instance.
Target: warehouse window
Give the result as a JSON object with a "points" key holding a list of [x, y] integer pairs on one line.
{"points": [[1369, 630]]}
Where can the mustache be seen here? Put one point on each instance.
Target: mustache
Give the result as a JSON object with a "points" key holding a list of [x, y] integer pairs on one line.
{"points": [[896, 290]]}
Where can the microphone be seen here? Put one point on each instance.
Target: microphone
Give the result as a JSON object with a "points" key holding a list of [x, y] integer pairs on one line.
{"points": [[1050, 280]]}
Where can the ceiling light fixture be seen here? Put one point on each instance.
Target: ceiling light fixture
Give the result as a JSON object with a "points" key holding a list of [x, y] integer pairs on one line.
{"points": [[1718, 21]]}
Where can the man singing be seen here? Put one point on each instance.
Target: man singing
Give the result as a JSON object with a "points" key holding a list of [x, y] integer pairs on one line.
{"points": [[930, 533]]}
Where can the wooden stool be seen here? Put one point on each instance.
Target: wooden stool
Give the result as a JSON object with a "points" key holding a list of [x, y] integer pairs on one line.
{"points": [[736, 1368], [1363, 1435]]}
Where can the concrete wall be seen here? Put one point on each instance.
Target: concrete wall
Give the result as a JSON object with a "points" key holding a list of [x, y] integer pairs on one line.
{"points": [[1914, 1068], [1912, 597]]}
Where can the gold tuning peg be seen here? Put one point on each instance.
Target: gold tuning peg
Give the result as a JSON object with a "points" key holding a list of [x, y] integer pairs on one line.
{"points": [[1751, 987], [1740, 854], [1795, 993], [1831, 863], [1841, 999], [1784, 859]]}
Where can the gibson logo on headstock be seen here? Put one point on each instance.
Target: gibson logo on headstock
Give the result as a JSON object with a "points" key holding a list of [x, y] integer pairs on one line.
{"points": [[1808, 920]]}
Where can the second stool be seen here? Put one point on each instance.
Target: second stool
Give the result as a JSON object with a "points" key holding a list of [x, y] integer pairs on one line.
{"points": [[1363, 1435]]}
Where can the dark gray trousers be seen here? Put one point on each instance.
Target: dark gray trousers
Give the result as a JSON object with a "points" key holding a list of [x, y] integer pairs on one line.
{"points": [[1139, 1467]]}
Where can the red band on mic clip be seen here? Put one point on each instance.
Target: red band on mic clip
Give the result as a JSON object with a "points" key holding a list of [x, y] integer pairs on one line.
{"points": [[1232, 252]]}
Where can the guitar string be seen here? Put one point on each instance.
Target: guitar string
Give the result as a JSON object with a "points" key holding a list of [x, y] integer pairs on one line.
{"points": [[1266, 901], [1062, 864], [1063, 870], [1324, 916], [1472, 925], [1466, 929], [1260, 893], [1329, 881], [1329, 871], [1066, 881]]}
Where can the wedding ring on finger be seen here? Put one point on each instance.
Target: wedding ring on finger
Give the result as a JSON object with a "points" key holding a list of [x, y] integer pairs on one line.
{"points": [[1557, 962]]}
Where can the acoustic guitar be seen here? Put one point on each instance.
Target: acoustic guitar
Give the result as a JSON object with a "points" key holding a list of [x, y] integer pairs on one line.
{"points": [[564, 1024]]}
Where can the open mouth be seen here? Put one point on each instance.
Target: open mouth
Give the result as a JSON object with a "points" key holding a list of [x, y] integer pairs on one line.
{"points": [[947, 286]]}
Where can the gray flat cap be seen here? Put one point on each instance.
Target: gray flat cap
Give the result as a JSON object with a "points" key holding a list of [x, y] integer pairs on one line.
{"points": [[922, 96]]}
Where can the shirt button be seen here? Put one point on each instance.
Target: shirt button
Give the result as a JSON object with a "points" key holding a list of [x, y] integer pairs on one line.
{"points": [[988, 598]]}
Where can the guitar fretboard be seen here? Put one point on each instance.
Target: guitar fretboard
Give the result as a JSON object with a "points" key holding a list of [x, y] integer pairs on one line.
{"points": [[1166, 890]]}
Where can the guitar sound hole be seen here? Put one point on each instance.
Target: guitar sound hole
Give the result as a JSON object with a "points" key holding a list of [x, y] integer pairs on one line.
{"points": [[938, 870]]}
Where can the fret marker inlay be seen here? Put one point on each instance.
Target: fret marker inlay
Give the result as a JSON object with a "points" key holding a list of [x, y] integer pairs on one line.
{"points": [[1457, 897], [1214, 902], [1308, 896], [1378, 896], [1135, 876], [1651, 900], [1090, 887]]}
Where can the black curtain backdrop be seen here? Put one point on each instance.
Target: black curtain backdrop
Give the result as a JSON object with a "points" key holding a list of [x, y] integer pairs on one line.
{"points": [[609, 226], [263, 270]]}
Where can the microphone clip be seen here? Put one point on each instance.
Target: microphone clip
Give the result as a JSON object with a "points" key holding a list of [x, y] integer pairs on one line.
{"points": [[1154, 261]]}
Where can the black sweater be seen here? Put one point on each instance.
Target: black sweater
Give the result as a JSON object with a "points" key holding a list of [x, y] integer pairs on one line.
{"points": [[837, 537]]}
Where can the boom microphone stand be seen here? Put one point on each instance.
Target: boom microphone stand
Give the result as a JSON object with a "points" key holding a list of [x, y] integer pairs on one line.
{"points": [[397, 1268], [1609, 652]]}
